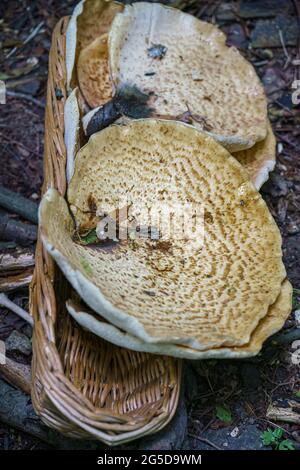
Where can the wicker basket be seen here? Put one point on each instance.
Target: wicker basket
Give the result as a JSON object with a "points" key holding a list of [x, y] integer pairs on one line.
{"points": [[83, 386]]}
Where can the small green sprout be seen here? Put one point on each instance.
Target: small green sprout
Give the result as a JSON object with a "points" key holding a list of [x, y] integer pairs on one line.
{"points": [[86, 266], [296, 294], [224, 414], [90, 238], [274, 439]]}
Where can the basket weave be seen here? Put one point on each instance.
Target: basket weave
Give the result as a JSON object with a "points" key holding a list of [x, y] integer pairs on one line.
{"points": [[83, 386]]}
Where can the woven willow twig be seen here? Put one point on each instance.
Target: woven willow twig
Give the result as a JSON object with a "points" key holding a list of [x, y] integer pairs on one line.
{"points": [[83, 386]]}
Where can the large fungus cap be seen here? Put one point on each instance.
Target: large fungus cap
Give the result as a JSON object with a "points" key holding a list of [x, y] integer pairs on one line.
{"points": [[189, 72], [260, 159], [203, 293], [93, 73], [90, 20], [269, 325]]}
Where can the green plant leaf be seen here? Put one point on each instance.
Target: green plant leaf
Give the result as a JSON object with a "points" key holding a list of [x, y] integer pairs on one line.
{"points": [[90, 238], [297, 394], [286, 445], [296, 293], [268, 437], [273, 438], [277, 433], [224, 414]]}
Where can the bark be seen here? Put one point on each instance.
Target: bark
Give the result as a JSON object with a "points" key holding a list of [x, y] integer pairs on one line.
{"points": [[16, 411], [16, 281], [286, 415], [286, 336], [18, 204], [18, 375], [19, 232], [5, 302], [16, 260]]}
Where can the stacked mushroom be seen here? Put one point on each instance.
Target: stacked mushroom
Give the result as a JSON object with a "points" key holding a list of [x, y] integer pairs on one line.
{"points": [[178, 136]]}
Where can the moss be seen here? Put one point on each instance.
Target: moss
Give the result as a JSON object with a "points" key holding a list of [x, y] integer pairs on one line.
{"points": [[86, 266]]}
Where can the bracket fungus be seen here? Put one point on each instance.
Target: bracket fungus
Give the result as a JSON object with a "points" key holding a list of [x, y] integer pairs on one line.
{"points": [[95, 57], [260, 160], [204, 296], [171, 100], [189, 69], [92, 70], [269, 325], [89, 21]]}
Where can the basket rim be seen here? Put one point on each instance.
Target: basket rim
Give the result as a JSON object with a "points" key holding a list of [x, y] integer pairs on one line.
{"points": [[55, 397]]}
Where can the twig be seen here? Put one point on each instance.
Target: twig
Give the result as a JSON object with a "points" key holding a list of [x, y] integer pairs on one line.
{"points": [[266, 420], [200, 13], [284, 139], [18, 204], [16, 281], [260, 63], [286, 337], [284, 107], [24, 96], [5, 302], [286, 415], [9, 140], [288, 59], [274, 424], [14, 230], [13, 261], [205, 441], [7, 245], [297, 7], [18, 375], [283, 384], [215, 6], [16, 82], [33, 33]]}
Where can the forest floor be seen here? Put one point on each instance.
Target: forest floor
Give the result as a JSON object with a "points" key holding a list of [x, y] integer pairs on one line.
{"points": [[227, 403]]}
